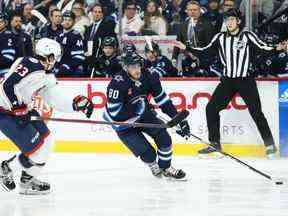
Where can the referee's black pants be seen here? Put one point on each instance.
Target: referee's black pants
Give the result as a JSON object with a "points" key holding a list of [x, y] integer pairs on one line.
{"points": [[224, 92]]}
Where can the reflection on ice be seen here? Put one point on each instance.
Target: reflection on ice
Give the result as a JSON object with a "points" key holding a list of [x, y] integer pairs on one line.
{"points": [[109, 185]]}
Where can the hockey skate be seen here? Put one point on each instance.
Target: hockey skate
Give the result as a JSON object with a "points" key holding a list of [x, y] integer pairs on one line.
{"points": [[211, 151], [29, 185], [155, 169], [174, 174], [271, 151], [6, 176]]}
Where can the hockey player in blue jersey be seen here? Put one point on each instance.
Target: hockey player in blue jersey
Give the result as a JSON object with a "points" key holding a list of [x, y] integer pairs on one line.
{"points": [[27, 78], [127, 95], [109, 62], [155, 59], [7, 46], [73, 58]]}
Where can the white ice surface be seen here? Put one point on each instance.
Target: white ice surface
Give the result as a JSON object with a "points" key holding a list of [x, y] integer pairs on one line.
{"points": [[120, 185]]}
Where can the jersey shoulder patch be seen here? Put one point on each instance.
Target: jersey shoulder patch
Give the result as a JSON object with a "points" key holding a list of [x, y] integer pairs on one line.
{"points": [[119, 78]]}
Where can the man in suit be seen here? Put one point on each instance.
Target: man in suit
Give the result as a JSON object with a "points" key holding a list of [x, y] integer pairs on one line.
{"points": [[196, 29], [94, 35]]}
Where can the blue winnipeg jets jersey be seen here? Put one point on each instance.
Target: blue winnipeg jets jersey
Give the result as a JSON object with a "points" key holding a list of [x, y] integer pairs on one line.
{"points": [[164, 66], [73, 51], [7, 49], [127, 98], [108, 66]]}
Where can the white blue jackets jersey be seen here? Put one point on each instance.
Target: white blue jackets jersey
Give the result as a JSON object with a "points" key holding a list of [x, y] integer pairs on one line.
{"points": [[73, 52], [7, 50], [127, 99], [27, 79]]}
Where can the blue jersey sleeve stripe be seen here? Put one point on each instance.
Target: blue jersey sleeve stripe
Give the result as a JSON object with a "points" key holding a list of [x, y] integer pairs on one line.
{"points": [[79, 57], [9, 57], [160, 95], [8, 51], [163, 101], [79, 52], [113, 105], [114, 113]]}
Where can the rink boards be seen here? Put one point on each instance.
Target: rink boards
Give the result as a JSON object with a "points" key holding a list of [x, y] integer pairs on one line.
{"points": [[239, 133]]}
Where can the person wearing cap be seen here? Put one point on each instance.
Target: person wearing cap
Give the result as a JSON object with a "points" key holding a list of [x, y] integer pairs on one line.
{"points": [[7, 46], [72, 61], [234, 48]]}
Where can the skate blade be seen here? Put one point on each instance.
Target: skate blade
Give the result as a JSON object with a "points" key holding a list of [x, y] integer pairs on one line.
{"points": [[214, 155], [185, 179], [33, 193]]}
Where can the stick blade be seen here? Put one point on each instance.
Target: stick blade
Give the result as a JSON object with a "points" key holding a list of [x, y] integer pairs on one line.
{"points": [[178, 118]]}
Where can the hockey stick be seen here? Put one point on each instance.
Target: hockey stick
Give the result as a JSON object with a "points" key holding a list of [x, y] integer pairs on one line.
{"points": [[172, 123], [235, 159]]}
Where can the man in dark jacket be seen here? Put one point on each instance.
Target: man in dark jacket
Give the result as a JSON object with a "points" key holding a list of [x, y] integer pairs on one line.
{"points": [[94, 35], [196, 29], [23, 41]]}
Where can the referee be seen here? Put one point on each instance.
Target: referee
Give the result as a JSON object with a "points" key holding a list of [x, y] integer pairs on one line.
{"points": [[234, 48]]}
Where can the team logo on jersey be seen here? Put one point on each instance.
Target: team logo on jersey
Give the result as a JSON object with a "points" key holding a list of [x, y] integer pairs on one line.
{"points": [[107, 62], [118, 78], [240, 45], [138, 84]]}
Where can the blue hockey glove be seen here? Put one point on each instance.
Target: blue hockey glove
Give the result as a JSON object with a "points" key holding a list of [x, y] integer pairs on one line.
{"points": [[184, 129]]}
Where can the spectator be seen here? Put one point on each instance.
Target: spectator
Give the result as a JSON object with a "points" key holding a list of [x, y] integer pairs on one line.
{"points": [[53, 29], [13, 7], [72, 61], [131, 22], [44, 6], [29, 22], [81, 21], [154, 59], [7, 46], [109, 62], [96, 32], [196, 29], [23, 41], [213, 15], [227, 5], [154, 23]]}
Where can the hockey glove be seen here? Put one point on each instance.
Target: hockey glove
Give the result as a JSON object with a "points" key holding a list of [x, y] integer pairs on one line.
{"points": [[21, 115], [184, 129], [83, 104]]}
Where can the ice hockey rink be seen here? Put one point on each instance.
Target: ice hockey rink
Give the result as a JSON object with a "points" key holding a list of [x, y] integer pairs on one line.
{"points": [[118, 184]]}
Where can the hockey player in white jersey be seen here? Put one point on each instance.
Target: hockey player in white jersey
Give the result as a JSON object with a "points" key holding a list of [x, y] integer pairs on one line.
{"points": [[28, 78]]}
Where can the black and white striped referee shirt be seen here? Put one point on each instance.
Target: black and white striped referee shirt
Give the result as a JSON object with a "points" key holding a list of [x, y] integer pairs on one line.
{"points": [[234, 51]]}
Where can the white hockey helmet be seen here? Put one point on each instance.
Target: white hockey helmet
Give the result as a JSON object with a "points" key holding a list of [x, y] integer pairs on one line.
{"points": [[47, 48]]}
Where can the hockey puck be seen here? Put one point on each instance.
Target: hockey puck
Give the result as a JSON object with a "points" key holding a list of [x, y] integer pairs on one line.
{"points": [[278, 182]]}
